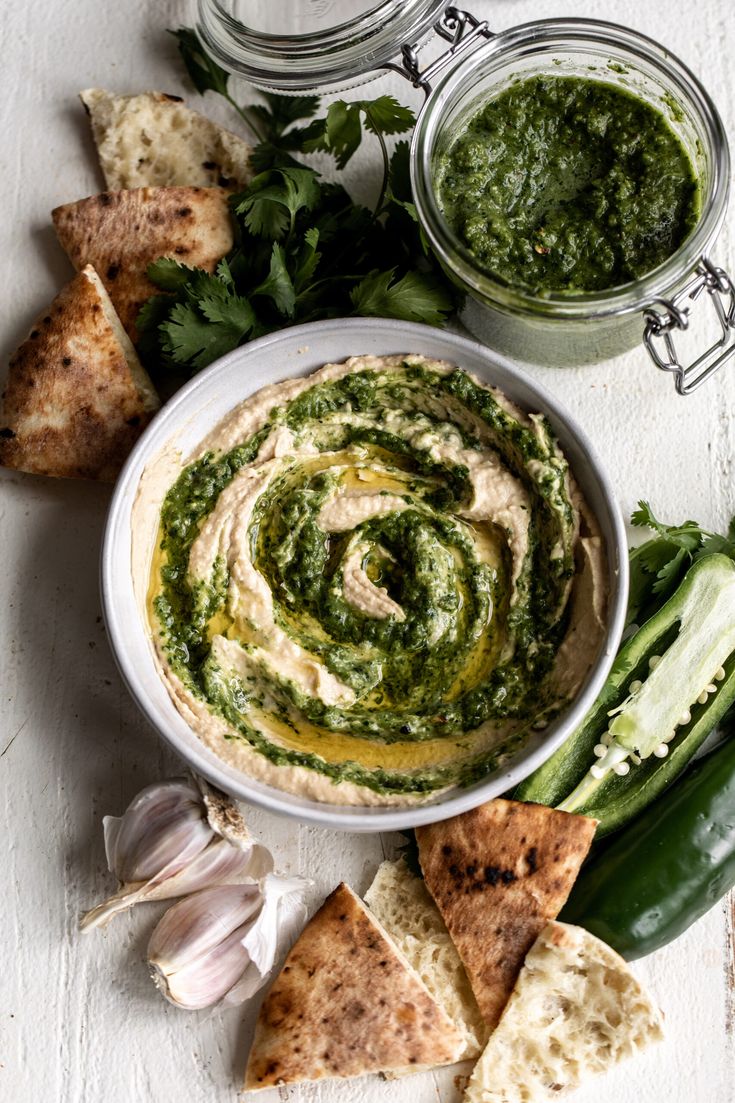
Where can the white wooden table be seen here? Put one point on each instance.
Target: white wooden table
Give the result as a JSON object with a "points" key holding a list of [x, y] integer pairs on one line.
{"points": [[80, 1021]]}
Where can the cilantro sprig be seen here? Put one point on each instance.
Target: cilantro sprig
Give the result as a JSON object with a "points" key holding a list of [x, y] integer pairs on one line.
{"points": [[659, 565], [304, 250]]}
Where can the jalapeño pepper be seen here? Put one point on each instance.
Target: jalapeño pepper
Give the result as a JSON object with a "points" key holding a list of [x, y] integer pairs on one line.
{"points": [[671, 683], [668, 868]]}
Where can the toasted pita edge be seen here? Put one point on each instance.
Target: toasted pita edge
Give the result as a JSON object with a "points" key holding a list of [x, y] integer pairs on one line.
{"points": [[279, 1023], [498, 874], [147, 392], [137, 146], [576, 1010], [120, 233], [403, 906], [33, 435]]}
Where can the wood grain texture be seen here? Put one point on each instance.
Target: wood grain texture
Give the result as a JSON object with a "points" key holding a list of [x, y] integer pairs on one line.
{"points": [[80, 1022]]}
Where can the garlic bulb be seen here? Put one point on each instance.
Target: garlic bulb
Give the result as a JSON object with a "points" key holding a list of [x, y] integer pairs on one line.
{"points": [[176, 837], [223, 942]]}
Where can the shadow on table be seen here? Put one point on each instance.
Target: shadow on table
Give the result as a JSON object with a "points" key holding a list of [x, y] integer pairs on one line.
{"points": [[91, 748], [87, 751]]}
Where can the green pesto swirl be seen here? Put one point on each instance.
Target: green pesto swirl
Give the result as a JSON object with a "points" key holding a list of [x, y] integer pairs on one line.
{"points": [[372, 582]]}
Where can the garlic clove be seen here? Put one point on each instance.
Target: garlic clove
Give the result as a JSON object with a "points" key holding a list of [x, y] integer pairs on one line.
{"points": [[197, 924], [220, 864], [203, 982], [163, 827], [223, 942], [192, 952], [176, 837]]}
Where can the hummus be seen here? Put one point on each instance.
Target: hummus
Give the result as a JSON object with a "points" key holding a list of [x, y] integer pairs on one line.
{"points": [[373, 584]]}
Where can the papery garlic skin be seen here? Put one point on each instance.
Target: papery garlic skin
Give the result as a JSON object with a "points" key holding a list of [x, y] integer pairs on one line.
{"points": [[223, 942], [271, 936], [176, 837]]}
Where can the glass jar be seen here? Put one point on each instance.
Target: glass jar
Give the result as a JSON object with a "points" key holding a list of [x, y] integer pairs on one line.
{"points": [[575, 328], [551, 328]]}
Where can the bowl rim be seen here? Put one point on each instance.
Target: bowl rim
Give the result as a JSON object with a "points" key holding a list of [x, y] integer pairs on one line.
{"points": [[400, 337]]}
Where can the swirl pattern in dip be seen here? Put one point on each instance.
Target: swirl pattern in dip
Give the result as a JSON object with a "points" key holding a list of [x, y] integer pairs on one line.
{"points": [[374, 583]]}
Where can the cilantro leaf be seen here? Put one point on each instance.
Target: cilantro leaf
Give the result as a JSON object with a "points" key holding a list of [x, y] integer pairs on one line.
{"points": [[168, 274], [399, 179], [669, 573], [302, 189], [205, 73], [268, 155], [655, 554], [278, 285], [340, 132], [264, 213], [689, 535], [714, 543], [208, 318], [150, 317], [234, 312], [386, 115], [280, 112], [190, 337], [272, 200], [308, 259], [416, 297]]}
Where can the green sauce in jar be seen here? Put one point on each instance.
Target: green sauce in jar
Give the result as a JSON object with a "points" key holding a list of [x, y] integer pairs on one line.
{"points": [[568, 184]]}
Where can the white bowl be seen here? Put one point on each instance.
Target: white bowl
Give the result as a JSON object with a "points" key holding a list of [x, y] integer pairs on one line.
{"points": [[197, 408]]}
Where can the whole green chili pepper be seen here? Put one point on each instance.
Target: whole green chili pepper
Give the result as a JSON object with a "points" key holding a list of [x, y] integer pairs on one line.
{"points": [[668, 868], [671, 683]]}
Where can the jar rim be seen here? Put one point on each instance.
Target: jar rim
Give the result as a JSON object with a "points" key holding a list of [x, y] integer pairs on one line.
{"points": [[344, 54], [624, 298]]}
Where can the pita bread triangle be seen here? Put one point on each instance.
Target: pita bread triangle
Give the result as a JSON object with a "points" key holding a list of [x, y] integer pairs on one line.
{"points": [[401, 902], [154, 139], [77, 397], [576, 1010], [498, 874], [346, 1003], [121, 233]]}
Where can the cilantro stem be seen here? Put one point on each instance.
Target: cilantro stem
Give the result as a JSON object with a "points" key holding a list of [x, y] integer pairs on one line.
{"points": [[245, 116], [386, 166], [341, 278]]}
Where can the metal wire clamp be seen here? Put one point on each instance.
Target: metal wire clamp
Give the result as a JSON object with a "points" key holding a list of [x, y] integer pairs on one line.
{"points": [[460, 29], [660, 327]]}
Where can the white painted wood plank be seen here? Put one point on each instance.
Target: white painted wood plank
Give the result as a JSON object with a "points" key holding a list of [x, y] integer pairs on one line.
{"points": [[79, 1019]]}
